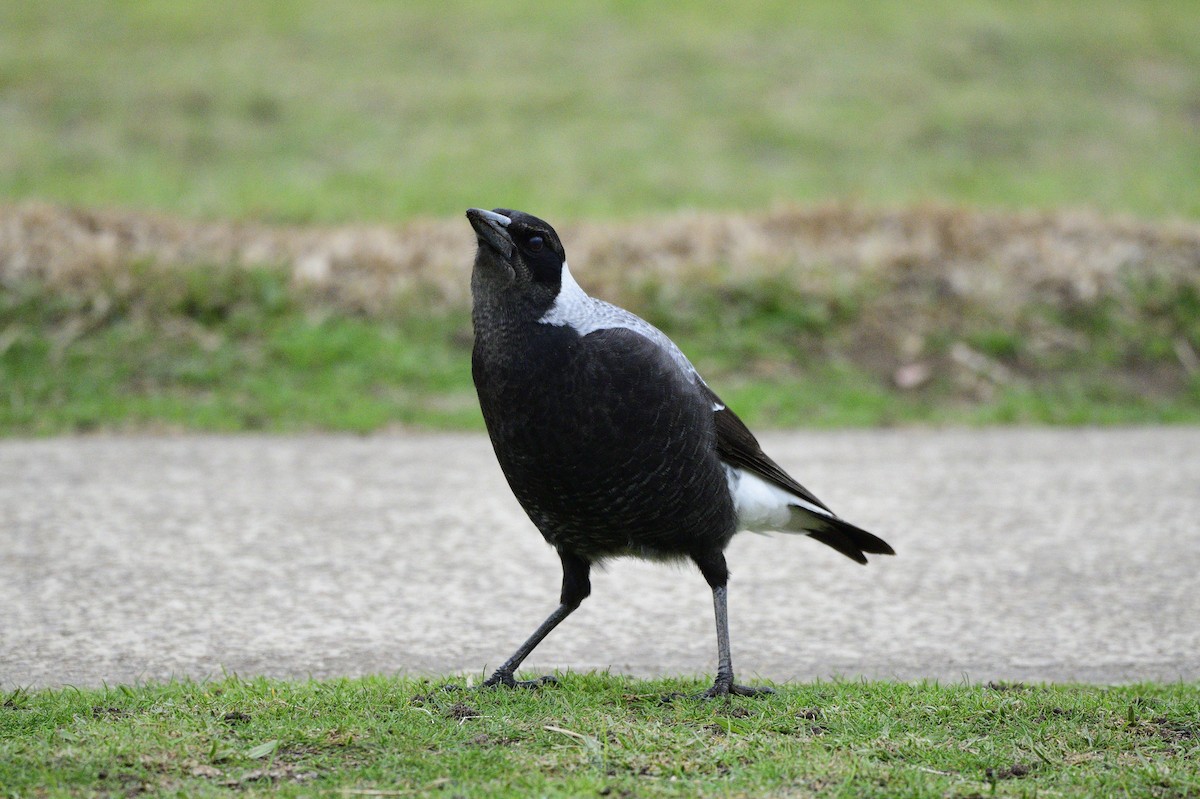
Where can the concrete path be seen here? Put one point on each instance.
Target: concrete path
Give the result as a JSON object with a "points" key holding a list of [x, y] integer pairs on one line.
{"points": [[1023, 555]]}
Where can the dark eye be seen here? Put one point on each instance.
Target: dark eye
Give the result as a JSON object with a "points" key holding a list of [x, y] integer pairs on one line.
{"points": [[535, 243]]}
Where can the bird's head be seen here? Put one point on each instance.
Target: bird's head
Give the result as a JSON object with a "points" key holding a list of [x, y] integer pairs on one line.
{"points": [[520, 258]]}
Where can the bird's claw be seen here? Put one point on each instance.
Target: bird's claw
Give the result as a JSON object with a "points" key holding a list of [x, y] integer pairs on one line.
{"points": [[720, 688], [727, 687], [505, 679]]}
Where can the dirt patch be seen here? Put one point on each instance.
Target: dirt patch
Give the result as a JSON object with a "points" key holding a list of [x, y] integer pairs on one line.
{"points": [[1016, 770], [264, 777], [1177, 731], [1173, 731], [462, 712]]}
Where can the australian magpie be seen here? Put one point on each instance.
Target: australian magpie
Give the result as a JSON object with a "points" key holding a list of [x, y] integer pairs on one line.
{"points": [[610, 439]]}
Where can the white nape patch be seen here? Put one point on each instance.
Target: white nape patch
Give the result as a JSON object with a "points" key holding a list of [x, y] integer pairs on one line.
{"points": [[576, 309], [572, 307], [761, 506], [718, 407]]}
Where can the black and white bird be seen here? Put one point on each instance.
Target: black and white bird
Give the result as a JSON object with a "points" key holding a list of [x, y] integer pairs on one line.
{"points": [[610, 439]]}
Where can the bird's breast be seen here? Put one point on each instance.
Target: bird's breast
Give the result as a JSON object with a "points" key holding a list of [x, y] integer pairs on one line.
{"points": [[603, 446]]}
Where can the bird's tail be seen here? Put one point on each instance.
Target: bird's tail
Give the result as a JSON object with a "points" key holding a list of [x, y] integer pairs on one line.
{"points": [[851, 541]]}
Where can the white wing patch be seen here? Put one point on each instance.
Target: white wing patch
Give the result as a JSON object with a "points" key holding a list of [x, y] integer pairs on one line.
{"points": [[761, 506], [576, 309]]}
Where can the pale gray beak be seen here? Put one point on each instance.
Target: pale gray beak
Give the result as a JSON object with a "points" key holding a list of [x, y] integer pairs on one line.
{"points": [[491, 228]]}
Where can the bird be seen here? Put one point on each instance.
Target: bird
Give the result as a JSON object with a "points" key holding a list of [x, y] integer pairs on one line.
{"points": [[611, 441]]}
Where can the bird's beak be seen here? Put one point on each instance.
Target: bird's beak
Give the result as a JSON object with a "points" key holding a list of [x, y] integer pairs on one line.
{"points": [[492, 230]]}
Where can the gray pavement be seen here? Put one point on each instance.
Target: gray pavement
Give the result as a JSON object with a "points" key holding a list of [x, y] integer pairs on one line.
{"points": [[1023, 555]]}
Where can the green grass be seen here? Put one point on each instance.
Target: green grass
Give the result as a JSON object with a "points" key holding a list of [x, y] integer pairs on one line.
{"points": [[384, 110], [600, 735], [229, 348], [224, 349]]}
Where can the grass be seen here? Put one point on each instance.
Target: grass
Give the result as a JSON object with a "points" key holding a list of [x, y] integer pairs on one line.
{"points": [[380, 111], [364, 110], [229, 348], [600, 735], [226, 349]]}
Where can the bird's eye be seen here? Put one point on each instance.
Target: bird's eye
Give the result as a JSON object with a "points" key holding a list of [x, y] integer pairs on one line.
{"points": [[536, 243]]}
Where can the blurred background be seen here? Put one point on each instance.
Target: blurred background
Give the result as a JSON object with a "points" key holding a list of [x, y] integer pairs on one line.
{"points": [[245, 215], [223, 216], [375, 110]]}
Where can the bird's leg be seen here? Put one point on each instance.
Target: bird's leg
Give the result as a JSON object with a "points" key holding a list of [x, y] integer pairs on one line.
{"points": [[717, 574], [575, 588], [724, 683]]}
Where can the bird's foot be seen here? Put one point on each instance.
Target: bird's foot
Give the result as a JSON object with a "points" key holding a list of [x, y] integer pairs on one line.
{"points": [[721, 687], [505, 679], [727, 687]]}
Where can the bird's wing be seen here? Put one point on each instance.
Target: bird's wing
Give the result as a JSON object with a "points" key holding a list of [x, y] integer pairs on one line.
{"points": [[738, 447]]}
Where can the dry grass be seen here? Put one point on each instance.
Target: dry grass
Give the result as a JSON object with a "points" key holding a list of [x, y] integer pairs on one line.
{"points": [[999, 260]]}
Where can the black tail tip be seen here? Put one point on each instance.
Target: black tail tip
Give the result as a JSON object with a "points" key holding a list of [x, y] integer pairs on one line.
{"points": [[851, 541]]}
